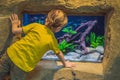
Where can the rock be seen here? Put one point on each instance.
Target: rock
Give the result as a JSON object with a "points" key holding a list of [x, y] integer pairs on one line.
{"points": [[72, 54], [78, 51], [100, 49], [101, 57], [90, 49], [90, 57]]}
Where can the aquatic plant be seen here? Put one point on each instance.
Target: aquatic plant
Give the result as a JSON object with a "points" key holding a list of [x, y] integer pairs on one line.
{"points": [[69, 30], [64, 46], [95, 40]]}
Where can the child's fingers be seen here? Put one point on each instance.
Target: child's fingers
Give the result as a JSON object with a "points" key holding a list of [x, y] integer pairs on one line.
{"points": [[15, 16], [73, 65], [12, 17]]}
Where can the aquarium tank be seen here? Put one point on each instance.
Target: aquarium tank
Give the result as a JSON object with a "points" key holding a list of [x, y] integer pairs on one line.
{"points": [[82, 39]]}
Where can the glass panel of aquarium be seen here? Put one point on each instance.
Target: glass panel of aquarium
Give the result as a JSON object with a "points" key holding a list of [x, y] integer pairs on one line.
{"points": [[82, 39]]}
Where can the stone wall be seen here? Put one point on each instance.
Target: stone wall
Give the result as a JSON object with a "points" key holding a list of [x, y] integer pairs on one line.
{"points": [[112, 56], [109, 8]]}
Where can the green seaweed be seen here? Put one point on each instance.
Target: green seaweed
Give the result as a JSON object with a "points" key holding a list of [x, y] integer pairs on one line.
{"points": [[64, 46], [94, 40], [69, 30]]}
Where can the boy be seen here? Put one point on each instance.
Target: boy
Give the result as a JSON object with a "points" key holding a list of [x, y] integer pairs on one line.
{"points": [[23, 55]]}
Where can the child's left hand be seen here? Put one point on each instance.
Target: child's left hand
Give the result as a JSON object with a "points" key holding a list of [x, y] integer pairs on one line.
{"points": [[15, 20]]}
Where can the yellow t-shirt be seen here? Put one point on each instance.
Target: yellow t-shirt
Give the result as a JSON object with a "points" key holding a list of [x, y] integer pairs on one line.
{"points": [[28, 51]]}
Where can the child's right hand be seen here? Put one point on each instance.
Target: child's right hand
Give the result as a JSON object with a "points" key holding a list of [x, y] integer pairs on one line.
{"points": [[69, 64]]}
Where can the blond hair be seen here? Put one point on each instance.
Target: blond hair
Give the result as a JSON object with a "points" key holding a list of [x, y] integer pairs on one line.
{"points": [[56, 18]]}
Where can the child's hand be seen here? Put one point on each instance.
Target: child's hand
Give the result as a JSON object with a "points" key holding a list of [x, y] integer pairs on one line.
{"points": [[69, 64], [14, 19]]}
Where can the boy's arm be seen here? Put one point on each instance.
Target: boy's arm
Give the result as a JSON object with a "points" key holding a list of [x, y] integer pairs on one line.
{"points": [[61, 57], [65, 63]]}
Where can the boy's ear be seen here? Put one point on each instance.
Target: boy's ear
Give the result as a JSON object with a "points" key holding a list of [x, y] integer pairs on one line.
{"points": [[59, 27]]}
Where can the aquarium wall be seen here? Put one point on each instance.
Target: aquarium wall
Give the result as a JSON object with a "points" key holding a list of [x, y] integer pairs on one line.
{"points": [[82, 39]]}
